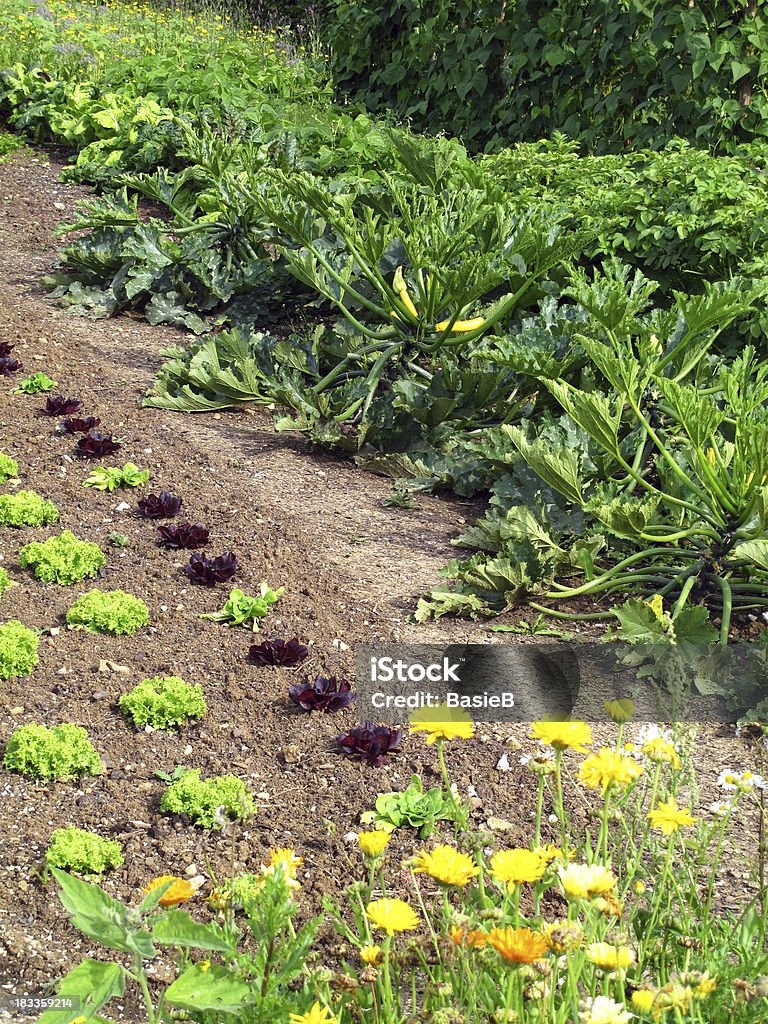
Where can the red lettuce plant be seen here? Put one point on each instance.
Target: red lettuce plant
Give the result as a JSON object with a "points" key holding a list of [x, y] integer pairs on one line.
{"points": [[57, 405], [159, 506], [371, 743], [185, 535], [76, 425], [285, 653], [6, 348], [210, 571], [96, 444], [324, 694], [9, 366]]}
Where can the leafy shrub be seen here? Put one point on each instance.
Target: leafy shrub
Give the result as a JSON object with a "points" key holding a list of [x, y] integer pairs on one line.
{"points": [[64, 559], [8, 467], [26, 508], [611, 75], [111, 611], [240, 608], [61, 752], [163, 702], [18, 649], [199, 799], [75, 849]]}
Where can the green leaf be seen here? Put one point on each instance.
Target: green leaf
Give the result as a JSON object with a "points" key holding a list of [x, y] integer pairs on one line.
{"points": [[177, 928], [212, 989], [95, 983], [103, 918], [560, 468]]}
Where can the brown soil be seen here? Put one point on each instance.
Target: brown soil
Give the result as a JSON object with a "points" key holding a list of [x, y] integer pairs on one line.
{"points": [[310, 522]]}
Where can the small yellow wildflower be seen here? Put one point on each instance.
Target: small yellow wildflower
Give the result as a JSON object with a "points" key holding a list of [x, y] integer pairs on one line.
{"points": [[446, 865], [583, 881], [610, 958], [392, 915], [563, 735], [668, 817], [603, 1010], [287, 861], [562, 935], [662, 752], [371, 955], [443, 723], [608, 768], [317, 1014], [514, 867], [372, 843]]}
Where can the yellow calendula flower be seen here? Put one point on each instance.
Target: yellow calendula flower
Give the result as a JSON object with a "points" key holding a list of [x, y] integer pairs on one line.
{"points": [[583, 881], [371, 955], [662, 752], [644, 1000], [518, 945], [372, 844], [704, 986], [562, 935], [668, 817], [563, 735], [468, 938], [443, 723], [446, 865], [619, 710], [610, 958], [317, 1014], [392, 915], [514, 867], [287, 861], [607, 768], [181, 890]]}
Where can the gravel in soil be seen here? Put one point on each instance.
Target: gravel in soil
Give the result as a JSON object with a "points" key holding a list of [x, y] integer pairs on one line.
{"points": [[352, 570]]}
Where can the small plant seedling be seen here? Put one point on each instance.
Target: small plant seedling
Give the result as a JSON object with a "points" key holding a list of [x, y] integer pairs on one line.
{"points": [[112, 477], [539, 627], [61, 752], [34, 384], [174, 776], [118, 540], [354, 539], [413, 808], [75, 849], [400, 497], [241, 609], [164, 702]]}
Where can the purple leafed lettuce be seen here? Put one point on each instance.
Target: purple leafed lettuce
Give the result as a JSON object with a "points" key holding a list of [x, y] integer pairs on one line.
{"points": [[75, 425], [210, 571], [185, 535], [286, 653], [6, 348], [325, 694], [97, 443], [9, 366], [57, 405], [371, 743], [159, 506]]}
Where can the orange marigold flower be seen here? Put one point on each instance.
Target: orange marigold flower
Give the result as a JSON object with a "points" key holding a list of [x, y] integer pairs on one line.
{"points": [[181, 890], [518, 945], [468, 938]]}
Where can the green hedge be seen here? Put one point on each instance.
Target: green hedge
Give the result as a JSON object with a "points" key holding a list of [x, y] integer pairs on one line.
{"points": [[608, 74]]}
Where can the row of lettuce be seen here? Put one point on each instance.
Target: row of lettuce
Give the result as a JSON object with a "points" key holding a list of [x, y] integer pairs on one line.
{"points": [[579, 336]]}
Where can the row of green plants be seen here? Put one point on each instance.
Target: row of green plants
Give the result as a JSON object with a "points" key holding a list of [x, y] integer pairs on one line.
{"points": [[584, 924]]}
